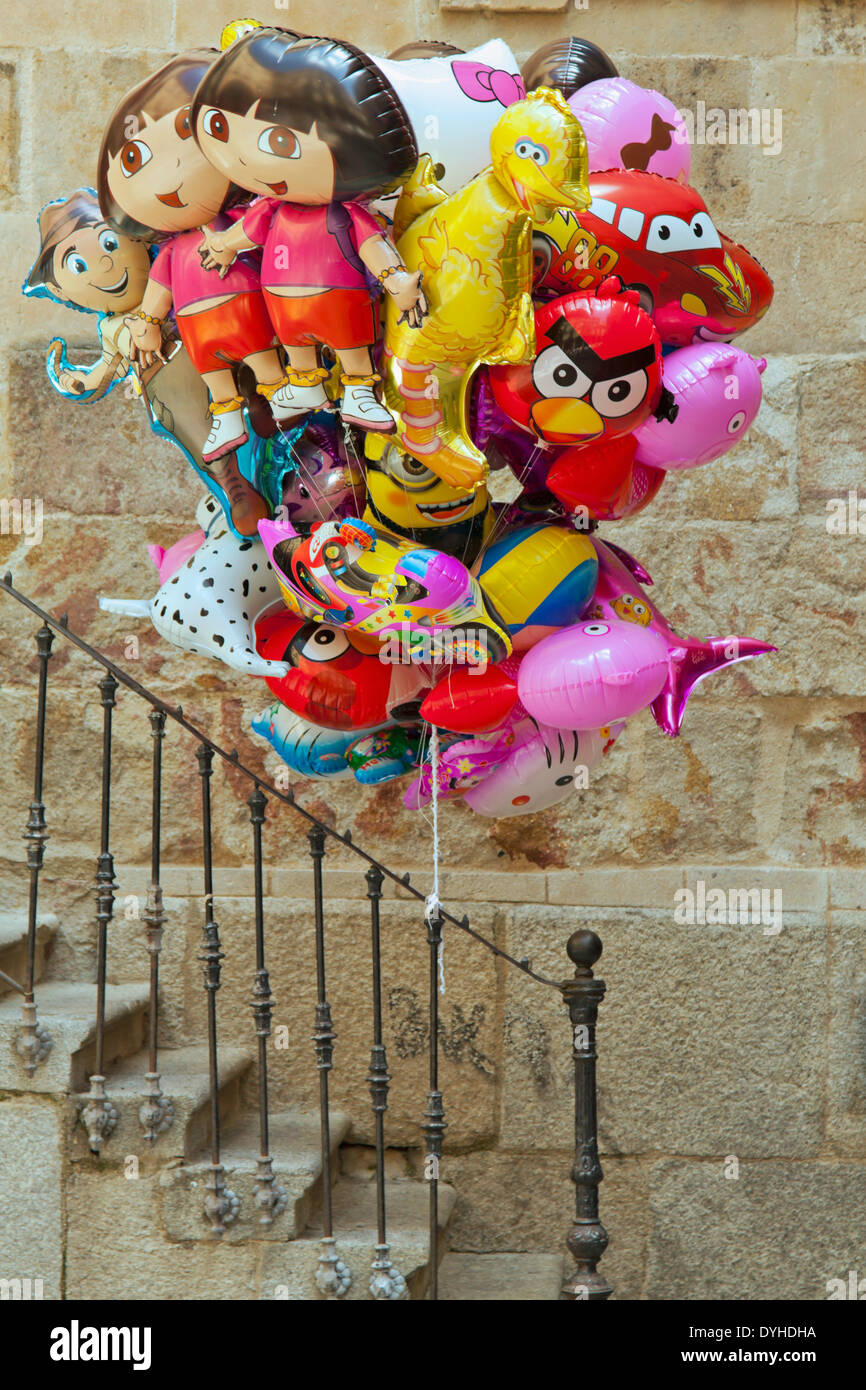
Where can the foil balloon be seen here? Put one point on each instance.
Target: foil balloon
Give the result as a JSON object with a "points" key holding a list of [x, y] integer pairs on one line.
{"points": [[542, 771], [631, 127], [323, 482], [167, 562], [593, 673], [408, 499], [474, 251], [353, 575], [688, 659], [306, 748], [453, 101], [539, 578], [211, 604], [334, 679], [567, 64], [716, 388], [658, 236], [605, 482], [383, 755], [596, 373]]}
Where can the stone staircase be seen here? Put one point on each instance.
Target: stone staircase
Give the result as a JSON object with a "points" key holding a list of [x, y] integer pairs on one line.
{"points": [[129, 1224]]}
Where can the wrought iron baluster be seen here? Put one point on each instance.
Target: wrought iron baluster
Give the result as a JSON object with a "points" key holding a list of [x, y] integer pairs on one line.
{"points": [[157, 1113], [386, 1281], [34, 1043], [99, 1115], [434, 1115], [221, 1204], [333, 1278], [271, 1199], [588, 1239]]}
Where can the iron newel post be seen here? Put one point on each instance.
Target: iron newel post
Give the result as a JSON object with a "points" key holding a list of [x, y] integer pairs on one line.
{"points": [[588, 1239]]}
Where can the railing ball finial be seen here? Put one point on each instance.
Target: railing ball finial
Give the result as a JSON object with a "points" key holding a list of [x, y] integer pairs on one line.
{"points": [[584, 948]]}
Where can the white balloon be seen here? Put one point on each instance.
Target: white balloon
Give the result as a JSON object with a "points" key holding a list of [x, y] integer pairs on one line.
{"points": [[541, 772]]}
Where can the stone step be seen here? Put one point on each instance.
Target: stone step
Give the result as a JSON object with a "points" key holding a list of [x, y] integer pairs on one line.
{"points": [[68, 1012], [297, 1166], [289, 1271], [13, 946], [505, 1277], [185, 1081]]}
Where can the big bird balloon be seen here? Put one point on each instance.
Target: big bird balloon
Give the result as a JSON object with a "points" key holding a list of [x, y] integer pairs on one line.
{"points": [[475, 251]]}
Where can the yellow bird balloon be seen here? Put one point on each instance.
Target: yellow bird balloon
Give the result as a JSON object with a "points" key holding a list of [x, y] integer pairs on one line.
{"points": [[475, 250]]}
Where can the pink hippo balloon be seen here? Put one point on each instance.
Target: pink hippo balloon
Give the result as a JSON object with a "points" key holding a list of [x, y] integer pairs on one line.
{"points": [[591, 674], [717, 391], [631, 127], [168, 562], [687, 659]]}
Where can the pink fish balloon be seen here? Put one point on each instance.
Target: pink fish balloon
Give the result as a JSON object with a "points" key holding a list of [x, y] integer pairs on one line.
{"points": [[631, 127], [593, 673], [717, 390], [688, 659]]}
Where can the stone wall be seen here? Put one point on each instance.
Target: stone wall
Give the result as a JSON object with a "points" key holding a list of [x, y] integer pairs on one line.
{"points": [[733, 1058]]}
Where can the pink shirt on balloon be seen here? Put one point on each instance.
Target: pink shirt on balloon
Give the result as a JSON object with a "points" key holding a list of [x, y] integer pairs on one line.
{"points": [[302, 246], [178, 267]]}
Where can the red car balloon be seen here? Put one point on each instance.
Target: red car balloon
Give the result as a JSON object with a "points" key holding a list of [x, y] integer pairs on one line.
{"points": [[336, 680], [597, 372], [657, 234]]}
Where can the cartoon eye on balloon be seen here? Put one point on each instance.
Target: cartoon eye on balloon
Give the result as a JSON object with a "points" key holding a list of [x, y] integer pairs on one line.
{"points": [[736, 422], [528, 149], [619, 396], [669, 233], [279, 140], [595, 629], [215, 124], [134, 155], [326, 644], [554, 374]]}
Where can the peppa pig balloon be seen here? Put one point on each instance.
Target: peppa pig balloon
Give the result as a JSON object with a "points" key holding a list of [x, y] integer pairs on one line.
{"points": [[717, 390], [631, 127]]}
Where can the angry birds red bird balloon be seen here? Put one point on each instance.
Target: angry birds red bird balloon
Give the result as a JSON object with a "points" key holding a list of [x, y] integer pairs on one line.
{"points": [[597, 372], [335, 678]]}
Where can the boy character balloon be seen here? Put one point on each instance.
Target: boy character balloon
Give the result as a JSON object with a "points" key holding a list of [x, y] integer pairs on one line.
{"points": [[313, 128], [87, 265], [154, 183]]}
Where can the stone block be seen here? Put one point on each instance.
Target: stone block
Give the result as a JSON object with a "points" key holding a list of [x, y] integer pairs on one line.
{"points": [[742, 1074], [31, 1194], [846, 1077], [777, 1231]]}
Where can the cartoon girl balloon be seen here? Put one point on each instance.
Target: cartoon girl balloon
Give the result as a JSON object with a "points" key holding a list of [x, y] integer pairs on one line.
{"points": [[155, 183], [314, 129]]}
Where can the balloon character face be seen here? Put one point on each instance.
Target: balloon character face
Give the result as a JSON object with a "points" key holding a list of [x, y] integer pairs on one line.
{"points": [[539, 159], [96, 268], [717, 390], [408, 497], [597, 371], [151, 169], [658, 236], [631, 127], [335, 678], [632, 610]]}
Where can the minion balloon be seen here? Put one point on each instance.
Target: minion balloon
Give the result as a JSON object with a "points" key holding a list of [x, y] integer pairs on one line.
{"points": [[475, 251]]}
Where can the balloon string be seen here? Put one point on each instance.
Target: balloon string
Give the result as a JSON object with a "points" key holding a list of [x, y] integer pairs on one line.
{"points": [[432, 905]]}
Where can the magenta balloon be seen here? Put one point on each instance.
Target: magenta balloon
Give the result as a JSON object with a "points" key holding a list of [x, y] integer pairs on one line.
{"points": [[717, 391], [586, 676], [631, 127]]}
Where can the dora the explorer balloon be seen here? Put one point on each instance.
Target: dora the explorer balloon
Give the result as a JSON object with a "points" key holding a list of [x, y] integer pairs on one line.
{"points": [[155, 183], [313, 128]]}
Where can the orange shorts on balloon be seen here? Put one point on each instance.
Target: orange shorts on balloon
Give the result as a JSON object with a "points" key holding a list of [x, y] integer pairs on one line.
{"points": [[219, 337], [340, 318]]}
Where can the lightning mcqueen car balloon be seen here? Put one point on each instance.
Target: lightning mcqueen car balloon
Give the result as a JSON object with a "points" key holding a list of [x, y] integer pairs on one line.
{"points": [[658, 236]]}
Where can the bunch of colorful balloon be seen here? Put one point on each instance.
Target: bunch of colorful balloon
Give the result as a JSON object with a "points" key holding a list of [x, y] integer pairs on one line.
{"points": [[347, 288]]}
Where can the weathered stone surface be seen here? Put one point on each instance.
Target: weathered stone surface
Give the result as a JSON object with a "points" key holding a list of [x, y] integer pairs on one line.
{"points": [[10, 132], [826, 29], [31, 1193], [524, 1200], [69, 1013], [116, 1214], [742, 1075], [469, 1046], [846, 1079], [500, 1278], [778, 1230]]}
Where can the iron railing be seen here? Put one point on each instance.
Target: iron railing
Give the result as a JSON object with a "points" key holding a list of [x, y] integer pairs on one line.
{"points": [[581, 994]]}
